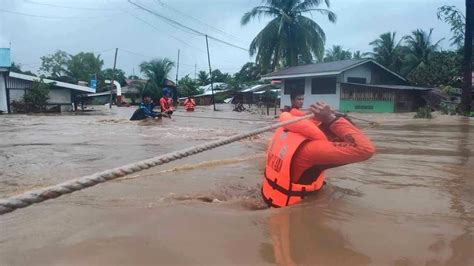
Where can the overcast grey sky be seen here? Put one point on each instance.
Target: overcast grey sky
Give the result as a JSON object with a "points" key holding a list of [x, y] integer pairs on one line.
{"points": [[101, 25]]}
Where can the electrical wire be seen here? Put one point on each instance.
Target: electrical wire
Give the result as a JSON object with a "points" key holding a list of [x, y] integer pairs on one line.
{"points": [[186, 28], [51, 17], [197, 20], [68, 7]]}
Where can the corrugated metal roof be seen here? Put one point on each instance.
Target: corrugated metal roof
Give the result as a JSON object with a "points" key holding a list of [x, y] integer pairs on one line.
{"points": [[5, 58], [326, 67], [56, 83]]}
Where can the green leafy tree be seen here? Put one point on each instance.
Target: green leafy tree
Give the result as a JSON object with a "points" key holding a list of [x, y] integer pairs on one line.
{"points": [[35, 99], [420, 48], [337, 53], [443, 68], [55, 65], [17, 68], [188, 87], [387, 51], [218, 76], [290, 37], [250, 72], [203, 78], [457, 20], [83, 65], [156, 71], [357, 55], [118, 75]]}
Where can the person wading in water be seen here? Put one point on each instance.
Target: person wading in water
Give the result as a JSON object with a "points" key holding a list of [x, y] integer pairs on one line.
{"points": [[145, 110], [299, 154]]}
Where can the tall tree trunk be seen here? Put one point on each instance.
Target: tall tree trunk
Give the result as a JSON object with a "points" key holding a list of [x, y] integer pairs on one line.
{"points": [[466, 97]]}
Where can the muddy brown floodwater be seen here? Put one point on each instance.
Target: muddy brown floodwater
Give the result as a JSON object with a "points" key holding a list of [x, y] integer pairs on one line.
{"points": [[411, 204]]}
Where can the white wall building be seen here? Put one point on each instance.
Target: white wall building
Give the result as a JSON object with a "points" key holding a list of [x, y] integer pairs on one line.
{"points": [[357, 85]]}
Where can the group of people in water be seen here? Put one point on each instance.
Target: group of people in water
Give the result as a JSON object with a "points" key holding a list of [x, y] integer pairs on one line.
{"points": [[298, 154], [146, 109]]}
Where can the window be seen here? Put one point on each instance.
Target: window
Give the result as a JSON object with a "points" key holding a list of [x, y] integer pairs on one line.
{"points": [[357, 80], [294, 84], [325, 85]]}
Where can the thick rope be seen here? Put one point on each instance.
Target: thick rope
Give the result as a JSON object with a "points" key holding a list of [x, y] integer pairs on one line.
{"points": [[36, 196]]}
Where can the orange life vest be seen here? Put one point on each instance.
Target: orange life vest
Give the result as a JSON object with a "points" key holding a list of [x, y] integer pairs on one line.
{"points": [[278, 190], [166, 104], [189, 104]]}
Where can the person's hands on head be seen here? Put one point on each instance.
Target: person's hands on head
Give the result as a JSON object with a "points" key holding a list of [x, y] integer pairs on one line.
{"points": [[322, 112]]}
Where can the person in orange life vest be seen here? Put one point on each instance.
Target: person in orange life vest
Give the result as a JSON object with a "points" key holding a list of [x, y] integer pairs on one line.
{"points": [[299, 154], [166, 104], [189, 104]]}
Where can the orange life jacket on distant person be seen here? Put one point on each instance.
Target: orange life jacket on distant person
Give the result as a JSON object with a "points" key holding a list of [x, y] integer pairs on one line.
{"points": [[189, 105], [166, 104], [278, 190]]}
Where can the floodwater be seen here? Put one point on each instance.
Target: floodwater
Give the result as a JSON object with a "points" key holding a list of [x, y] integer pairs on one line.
{"points": [[411, 204]]}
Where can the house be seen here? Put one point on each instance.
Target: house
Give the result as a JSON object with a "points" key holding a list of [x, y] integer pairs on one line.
{"points": [[356, 85], [205, 98], [131, 92], [61, 94]]}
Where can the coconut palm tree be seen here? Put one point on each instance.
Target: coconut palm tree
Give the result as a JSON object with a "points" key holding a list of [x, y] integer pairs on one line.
{"points": [[337, 53], [420, 48], [289, 35], [387, 51], [157, 70], [203, 78]]}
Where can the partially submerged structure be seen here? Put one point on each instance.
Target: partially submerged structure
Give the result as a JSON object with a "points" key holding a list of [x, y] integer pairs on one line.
{"points": [[356, 85]]}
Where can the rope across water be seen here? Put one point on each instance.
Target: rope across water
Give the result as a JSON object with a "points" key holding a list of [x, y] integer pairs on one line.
{"points": [[36, 196]]}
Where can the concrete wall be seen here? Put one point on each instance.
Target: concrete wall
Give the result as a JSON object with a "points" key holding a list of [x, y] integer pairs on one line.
{"points": [[367, 106], [59, 96], [363, 71], [56, 97], [3, 93], [332, 99], [16, 94]]}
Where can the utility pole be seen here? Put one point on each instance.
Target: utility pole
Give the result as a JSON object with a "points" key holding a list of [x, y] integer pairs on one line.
{"points": [[113, 79], [195, 69], [210, 73], [177, 70], [466, 96]]}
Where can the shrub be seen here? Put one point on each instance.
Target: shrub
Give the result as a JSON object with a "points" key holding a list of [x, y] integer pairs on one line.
{"points": [[424, 112]]}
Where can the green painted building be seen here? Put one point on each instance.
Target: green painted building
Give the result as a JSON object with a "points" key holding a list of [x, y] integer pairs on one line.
{"points": [[361, 85]]}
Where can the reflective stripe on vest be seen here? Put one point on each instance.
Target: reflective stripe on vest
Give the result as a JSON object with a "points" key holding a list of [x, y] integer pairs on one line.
{"points": [[278, 190]]}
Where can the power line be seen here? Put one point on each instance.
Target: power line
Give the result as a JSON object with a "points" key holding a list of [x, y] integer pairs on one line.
{"points": [[68, 7], [157, 29], [148, 56], [182, 26], [51, 17], [199, 21]]}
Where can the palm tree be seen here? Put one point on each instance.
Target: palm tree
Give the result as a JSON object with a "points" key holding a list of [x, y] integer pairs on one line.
{"points": [[289, 34], [337, 53], [357, 55], [157, 70], [203, 78], [420, 48], [387, 51]]}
